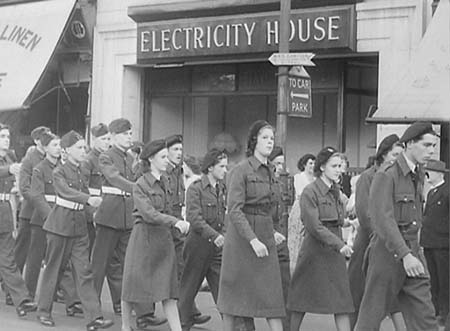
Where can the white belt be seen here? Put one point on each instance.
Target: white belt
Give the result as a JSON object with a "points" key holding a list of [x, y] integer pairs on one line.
{"points": [[115, 191], [69, 204], [50, 198], [5, 196], [95, 191]]}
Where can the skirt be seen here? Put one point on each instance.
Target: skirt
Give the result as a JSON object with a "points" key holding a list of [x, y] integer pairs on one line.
{"points": [[150, 270], [251, 286], [295, 234]]}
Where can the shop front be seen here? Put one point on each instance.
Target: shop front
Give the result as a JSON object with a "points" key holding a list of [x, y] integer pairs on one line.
{"points": [[205, 72]]}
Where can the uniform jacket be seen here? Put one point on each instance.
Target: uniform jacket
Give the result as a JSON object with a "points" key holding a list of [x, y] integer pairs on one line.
{"points": [[95, 178], [362, 198], [42, 185], [434, 233], [281, 210], [252, 187], [31, 159], [395, 206], [6, 184], [151, 205], [177, 190], [322, 213], [117, 169], [205, 208], [70, 184]]}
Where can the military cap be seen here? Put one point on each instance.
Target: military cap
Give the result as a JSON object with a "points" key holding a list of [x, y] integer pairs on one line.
{"points": [[211, 158], [277, 151], [47, 137], [99, 130], [151, 148], [323, 156], [436, 165], [119, 125], [174, 139], [386, 144], [37, 132], [70, 139], [416, 130]]}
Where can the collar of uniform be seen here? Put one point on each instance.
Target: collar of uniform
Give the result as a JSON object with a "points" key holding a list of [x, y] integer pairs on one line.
{"points": [[71, 165], [255, 163], [322, 186], [117, 150], [51, 165], [206, 182], [402, 161], [442, 182], [150, 178], [409, 163]]}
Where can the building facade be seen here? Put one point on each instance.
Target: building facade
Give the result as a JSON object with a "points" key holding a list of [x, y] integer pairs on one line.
{"points": [[201, 68]]}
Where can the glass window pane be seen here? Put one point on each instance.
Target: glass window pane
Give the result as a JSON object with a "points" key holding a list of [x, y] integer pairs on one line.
{"points": [[214, 78]]}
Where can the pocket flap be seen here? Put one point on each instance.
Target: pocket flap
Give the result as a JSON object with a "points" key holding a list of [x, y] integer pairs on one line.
{"points": [[405, 197]]}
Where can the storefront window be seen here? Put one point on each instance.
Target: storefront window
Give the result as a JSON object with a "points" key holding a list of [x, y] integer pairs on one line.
{"points": [[214, 78]]}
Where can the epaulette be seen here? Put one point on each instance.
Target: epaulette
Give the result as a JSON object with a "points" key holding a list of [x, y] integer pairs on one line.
{"points": [[386, 166]]}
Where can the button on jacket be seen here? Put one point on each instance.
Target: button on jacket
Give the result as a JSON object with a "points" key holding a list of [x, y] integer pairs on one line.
{"points": [[177, 190], [70, 184], [6, 184], [42, 185], [205, 208], [31, 159], [117, 169]]}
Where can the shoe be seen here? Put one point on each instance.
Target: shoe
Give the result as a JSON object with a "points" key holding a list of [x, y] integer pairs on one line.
{"points": [[59, 296], [99, 323], [117, 307], [74, 309], [200, 319], [144, 321], [8, 300], [46, 320], [25, 307]]}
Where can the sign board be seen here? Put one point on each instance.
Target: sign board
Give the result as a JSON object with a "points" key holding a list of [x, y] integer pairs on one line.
{"points": [[310, 29], [292, 59], [29, 33], [299, 93]]}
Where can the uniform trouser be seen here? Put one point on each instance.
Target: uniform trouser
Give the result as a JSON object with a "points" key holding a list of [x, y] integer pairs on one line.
{"points": [[91, 234], [38, 246], [201, 259], [22, 242], [438, 266], [60, 251], [246, 323], [9, 272], [386, 281]]}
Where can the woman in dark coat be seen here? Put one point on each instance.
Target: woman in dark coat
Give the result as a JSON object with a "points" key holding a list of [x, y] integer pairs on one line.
{"points": [[250, 282], [320, 283], [150, 270]]}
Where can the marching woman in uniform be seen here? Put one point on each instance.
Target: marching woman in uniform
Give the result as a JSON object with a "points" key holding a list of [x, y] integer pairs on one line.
{"points": [[320, 283], [150, 273], [250, 282]]}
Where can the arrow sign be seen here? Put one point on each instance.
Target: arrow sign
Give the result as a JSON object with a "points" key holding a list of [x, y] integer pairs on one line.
{"points": [[292, 59], [299, 95]]}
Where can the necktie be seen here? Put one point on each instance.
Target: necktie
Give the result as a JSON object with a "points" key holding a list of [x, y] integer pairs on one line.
{"points": [[414, 176], [217, 190]]}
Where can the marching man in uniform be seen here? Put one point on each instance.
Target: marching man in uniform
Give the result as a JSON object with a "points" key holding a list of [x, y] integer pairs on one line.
{"points": [[67, 237], [396, 267]]}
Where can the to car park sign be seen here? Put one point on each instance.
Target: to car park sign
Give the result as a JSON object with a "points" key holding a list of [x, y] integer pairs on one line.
{"points": [[299, 93]]}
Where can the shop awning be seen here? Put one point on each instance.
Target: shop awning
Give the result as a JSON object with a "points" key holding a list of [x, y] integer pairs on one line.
{"points": [[423, 92], [29, 34]]}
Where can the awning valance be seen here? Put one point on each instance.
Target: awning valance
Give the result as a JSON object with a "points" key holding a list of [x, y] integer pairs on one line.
{"points": [[29, 34], [423, 92]]}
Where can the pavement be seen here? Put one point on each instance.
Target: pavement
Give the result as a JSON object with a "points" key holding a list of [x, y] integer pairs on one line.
{"points": [[10, 322]]}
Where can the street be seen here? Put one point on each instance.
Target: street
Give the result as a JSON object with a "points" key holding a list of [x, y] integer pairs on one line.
{"points": [[10, 321]]}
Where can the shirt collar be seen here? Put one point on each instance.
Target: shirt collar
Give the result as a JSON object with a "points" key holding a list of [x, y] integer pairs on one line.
{"points": [[438, 184], [404, 165], [410, 164]]}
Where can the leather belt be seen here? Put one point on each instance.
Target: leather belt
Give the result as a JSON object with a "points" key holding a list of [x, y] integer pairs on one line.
{"points": [[115, 191], [263, 209], [5, 196], [95, 191], [50, 198], [69, 204]]}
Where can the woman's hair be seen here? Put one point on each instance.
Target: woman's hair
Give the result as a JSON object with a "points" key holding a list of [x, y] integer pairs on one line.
{"points": [[322, 158], [193, 163], [380, 157], [252, 139], [301, 164]]}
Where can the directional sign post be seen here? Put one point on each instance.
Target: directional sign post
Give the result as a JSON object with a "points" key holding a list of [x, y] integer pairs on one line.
{"points": [[299, 93], [292, 59]]}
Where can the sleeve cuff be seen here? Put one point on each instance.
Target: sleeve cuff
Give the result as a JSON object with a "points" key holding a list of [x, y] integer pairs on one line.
{"points": [[401, 253]]}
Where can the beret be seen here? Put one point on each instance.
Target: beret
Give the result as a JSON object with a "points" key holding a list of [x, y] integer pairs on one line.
{"points": [[211, 158], [416, 130], [323, 156], [46, 137], [436, 165], [386, 144], [4, 126], [37, 132], [174, 139], [70, 139], [151, 148], [277, 151], [99, 130], [254, 130], [119, 125]]}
